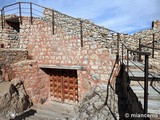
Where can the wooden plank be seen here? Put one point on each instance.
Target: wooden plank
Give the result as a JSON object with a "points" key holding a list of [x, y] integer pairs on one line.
{"points": [[64, 85]]}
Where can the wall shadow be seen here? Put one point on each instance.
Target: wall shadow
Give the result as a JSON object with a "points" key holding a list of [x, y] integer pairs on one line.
{"points": [[111, 88], [128, 102]]}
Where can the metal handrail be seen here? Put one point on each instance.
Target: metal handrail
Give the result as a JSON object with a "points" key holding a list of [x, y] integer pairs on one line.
{"points": [[136, 51], [152, 43], [31, 10], [146, 54], [149, 34], [20, 8], [150, 47]]}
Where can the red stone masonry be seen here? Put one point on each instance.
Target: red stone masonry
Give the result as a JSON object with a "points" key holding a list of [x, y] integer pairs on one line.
{"points": [[63, 48], [35, 80]]}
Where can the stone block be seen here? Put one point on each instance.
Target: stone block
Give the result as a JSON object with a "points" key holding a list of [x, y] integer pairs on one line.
{"points": [[14, 100]]}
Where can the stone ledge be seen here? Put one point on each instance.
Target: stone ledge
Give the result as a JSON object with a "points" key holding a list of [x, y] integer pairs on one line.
{"points": [[83, 68], [25, 62], [12, 49]]}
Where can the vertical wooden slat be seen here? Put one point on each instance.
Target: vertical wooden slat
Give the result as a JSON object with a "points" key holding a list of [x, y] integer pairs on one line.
{"points": [[51, 85], [62, 86], [75, 86], [68, 84]]}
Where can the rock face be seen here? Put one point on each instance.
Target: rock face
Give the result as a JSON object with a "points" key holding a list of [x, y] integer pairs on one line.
{"points": [[13, 99], [94, 106]]}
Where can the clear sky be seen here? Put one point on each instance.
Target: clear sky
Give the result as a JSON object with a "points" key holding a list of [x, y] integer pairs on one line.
{"points": [[124, 16]]}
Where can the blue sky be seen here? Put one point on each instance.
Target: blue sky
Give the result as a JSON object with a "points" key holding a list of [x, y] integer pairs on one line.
{"points": [[124, 16]]}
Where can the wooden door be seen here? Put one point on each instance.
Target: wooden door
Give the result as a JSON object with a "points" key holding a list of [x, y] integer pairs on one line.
{"points": [[64, 85], [56, 84]]}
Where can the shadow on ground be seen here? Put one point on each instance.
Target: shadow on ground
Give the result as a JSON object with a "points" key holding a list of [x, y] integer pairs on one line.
{"points": [[23, 116]]}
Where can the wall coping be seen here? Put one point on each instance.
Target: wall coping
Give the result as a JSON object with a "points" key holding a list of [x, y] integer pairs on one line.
{"points": [[12, 49], [83, 68]]}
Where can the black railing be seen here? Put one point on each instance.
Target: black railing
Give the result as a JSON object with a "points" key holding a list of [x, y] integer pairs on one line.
{"points": [[22, 9], [150, 45], [126, 50], [32, 10]]}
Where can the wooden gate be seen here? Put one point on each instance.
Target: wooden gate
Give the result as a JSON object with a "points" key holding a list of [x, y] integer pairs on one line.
{"points": [[64, 85]]}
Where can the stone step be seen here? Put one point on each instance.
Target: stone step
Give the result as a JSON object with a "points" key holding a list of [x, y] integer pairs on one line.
{"points": [[153, 97], [47, 117], [34, 118], [48, 111], [42, 116], [50, 115], [153, 105], [136, 68], [133, 64], [54, 111], [2, 118], [151, 94], [139, 75], [57, 107]]}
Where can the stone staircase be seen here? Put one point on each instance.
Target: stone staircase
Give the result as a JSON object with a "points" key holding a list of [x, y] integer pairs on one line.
{"points": [[153, 97], [137, 84]]}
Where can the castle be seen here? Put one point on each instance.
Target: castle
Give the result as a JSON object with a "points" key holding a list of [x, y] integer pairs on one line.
{"points": [[61, 58]]}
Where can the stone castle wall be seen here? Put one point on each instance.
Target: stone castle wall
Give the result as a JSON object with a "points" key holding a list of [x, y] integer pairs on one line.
{"points": [[71, 42], [35, 80], [75, 42], [146, 37], [63, 48], [156, 24], [10, 56], [9, 35]]}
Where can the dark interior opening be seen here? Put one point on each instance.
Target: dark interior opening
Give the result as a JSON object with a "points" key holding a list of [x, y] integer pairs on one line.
{"points": [[14, 23]]}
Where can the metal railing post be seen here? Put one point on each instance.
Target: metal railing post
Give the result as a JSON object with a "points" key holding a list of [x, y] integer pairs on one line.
{"points": [[140, 48], [122, 53], [153, 46], [81, 32], [31, 20], [53, 22], [146, 85], [127, 61], [20, 13], [2, 19], [118, 39]]}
